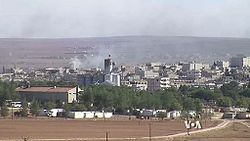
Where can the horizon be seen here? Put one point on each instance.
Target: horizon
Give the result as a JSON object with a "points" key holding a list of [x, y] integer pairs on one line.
{"points": [[124, 36]]}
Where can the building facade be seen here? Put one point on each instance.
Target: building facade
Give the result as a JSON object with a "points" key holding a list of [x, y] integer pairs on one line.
{"points": [[45, 94]]}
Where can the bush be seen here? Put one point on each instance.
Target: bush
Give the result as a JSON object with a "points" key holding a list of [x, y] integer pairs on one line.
{"points": [[25, 109], [4, 111], [34, 109], [161, 115]]}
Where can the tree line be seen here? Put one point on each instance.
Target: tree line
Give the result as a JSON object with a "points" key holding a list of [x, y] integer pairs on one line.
{"points": [[121, 99]]}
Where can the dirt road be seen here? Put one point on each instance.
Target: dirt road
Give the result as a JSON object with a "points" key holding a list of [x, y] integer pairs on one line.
{"points": [[232, 130]]}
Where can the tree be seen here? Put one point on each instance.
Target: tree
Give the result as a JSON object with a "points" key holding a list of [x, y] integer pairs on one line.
{"points": [[34, 108], [59, 104], [184, 90], [204, 94], [120, 99], [161, 115], [241, 102], [231, 89], [78, 107], [188, 104], [174, 105], [4, 110], [245, 92], [225, 102], [87, 97], [198, 105], [50, 105], [7, 92], [25, 109], [67, 108]]}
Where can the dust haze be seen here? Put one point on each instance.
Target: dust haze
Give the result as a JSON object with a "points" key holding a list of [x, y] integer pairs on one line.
{"points": [[90, 52], [95, 18], [81, 33]]}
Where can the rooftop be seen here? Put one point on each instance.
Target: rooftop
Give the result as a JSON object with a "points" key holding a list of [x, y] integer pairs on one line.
{"points": [[45, 89]]}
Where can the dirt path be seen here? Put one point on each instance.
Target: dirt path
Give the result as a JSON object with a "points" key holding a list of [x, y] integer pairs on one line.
{"points": [[247, 124], [235, 130], [224, 124]]}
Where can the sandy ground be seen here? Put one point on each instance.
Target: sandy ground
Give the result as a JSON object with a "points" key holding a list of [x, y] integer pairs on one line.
{"points": [[235, 131], [88, 129]]}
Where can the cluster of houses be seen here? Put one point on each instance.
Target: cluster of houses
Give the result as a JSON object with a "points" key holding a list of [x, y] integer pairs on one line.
{"points": [[149, 76]]}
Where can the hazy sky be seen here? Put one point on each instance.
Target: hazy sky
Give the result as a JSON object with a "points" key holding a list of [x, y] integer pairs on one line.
{"points": [[85, 18]]}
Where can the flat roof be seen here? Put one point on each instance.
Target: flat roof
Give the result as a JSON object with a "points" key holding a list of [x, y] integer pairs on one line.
{"points": [[45, 89]]}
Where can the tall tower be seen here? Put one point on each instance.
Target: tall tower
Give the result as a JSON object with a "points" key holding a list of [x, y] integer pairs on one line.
{"points": [[108, 65]]}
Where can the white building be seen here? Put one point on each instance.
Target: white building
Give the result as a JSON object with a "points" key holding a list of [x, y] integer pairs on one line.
{"points": [[151, 74], [137, 84], [222, 65], [114, 78], [154, 66], [246, 62], [146, 73], [194, 66], [158, 83], [89, 114], [165, 83]]}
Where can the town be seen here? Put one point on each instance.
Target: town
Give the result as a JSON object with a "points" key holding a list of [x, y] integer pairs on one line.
{"points": [[124, 70], [196, 87]]}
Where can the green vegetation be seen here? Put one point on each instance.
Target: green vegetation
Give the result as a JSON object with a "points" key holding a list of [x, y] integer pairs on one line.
{"points": [[77, 107], [4, 110], [67, 109], [34, 108], [161, 115], [119, 99], [50, 105], [7, 92], [25, 109], [122, 99]]}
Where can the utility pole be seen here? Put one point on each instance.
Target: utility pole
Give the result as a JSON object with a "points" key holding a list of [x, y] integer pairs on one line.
{"points": [[107, 136], [12, 110], [206, 114], [149, 132]]}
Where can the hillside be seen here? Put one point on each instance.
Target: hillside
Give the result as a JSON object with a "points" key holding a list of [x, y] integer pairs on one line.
{"points": [[90, 52]]}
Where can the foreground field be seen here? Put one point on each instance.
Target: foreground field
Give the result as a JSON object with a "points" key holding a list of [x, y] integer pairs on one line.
{"points": [[87, 129], [236, 131]]}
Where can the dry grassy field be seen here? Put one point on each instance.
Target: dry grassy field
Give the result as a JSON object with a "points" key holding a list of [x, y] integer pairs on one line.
{"points": [[87, 129], [236, 131]]}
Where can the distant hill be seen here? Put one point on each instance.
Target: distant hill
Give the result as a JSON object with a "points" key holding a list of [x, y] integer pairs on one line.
{"points": [[90, 52]]}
